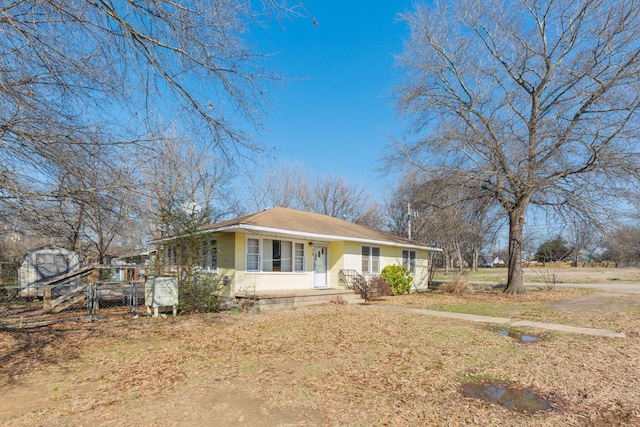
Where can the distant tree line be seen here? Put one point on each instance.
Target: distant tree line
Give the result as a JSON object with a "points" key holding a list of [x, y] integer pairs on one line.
{"points": [[620, 245]]}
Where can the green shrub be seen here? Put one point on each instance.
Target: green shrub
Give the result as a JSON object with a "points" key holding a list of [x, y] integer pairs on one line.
{"points": [[203, 293], [398, 278]]}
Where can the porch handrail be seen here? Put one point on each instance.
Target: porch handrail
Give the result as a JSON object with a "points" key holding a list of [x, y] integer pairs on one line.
{"points": [[351, 279]]}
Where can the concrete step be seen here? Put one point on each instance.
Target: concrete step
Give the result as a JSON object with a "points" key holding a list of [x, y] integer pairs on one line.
{"points": [[275, 301]]}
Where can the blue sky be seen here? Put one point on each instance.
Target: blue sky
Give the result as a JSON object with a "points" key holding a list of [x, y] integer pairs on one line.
{"points": [[335, 114]]}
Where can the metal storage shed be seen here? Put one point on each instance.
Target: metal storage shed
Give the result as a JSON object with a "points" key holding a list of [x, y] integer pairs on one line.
{"points": [[43, 264]]}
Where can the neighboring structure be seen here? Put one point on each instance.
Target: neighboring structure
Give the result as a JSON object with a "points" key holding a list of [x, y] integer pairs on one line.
{"points": [[282, 249], [123, 265], [43, 264], [140, 257]]}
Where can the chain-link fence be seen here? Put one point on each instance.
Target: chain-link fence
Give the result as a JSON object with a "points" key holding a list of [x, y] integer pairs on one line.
{"points": [[9, 273], [114, 298], [22, 306], [13, 302], [101, 292]]}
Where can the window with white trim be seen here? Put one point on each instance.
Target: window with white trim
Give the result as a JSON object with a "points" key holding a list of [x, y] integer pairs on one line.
{"points": [[209, 256], [172, 255], [370, 259], [299, 257], [176, 255], [253, 255], [271, 255], [276, 255], [409, 260]]}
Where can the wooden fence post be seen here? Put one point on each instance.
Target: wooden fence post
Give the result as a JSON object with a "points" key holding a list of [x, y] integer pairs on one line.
{"points": [[47, 299]]}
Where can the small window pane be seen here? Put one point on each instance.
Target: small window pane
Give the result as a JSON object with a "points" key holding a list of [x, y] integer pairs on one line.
{"points": [[375, 260], [253, 254], [285, 256], [213, 255], [412, 261], [277, 255], [409, 261], [209, 255], [366, 251], [299, 254], [267, 254]]}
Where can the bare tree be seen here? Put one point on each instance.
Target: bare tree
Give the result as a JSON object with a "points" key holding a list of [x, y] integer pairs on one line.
{"points": [[182, 182], [623, 245], [107, 209], [84, 74], [418, 211], [332, 195], [283, 184], [584, 239], [87, 202], [289, 185], [372, 217], [530, 103]]}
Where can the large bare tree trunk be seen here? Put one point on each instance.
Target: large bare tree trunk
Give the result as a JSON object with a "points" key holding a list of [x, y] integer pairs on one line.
{"points": [[458, 253], [446, 260], [515, 284], [525, 103], [474, 257]]}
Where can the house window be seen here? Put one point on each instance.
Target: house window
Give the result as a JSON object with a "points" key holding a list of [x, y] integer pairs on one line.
{"points": [[299, 257], [209, 256], [253, 255], [409, 261], [172, 255], [370, 259], [276, 255], [272, 255]]}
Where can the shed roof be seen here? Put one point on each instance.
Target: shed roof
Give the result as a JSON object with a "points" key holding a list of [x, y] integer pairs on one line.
{"points": [[48, 247]]}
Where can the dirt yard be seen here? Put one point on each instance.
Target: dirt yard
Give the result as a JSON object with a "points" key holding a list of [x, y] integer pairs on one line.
{"points": [[333, 365]]}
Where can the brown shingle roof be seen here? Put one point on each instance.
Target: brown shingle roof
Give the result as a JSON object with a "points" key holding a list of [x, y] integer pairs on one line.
{"points": [[291, 220]]}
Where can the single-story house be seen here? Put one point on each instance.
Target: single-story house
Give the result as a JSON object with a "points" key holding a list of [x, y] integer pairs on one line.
{"points": [[281, 249]]}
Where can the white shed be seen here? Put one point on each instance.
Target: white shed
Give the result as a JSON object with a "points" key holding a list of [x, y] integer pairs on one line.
{"points": [[43, 264]]}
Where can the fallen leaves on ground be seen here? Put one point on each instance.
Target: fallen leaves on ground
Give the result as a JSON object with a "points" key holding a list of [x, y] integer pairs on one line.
{"points": [[323, 365]]}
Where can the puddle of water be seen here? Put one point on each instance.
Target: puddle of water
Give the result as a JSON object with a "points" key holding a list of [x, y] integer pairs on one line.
{"points": [[516, 336], [518, 399]]}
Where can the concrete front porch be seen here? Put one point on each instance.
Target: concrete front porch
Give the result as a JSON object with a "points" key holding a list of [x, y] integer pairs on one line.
{"points": [[288, 299]]}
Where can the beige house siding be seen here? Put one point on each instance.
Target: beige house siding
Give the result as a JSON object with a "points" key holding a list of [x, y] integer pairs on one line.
{"points": [[336, 262], [342, 239], [226, 251], [352, 256], [269, 281], [389, 255], [421, 277], [227, 257], [240, 243]]}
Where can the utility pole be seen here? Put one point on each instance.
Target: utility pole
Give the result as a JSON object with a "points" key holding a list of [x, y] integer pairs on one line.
{"points": [[409, 221]]}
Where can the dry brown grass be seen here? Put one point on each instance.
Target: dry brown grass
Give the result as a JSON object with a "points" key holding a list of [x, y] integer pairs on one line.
{"points": [[563, 275], [575, 307], [458, 285], [335, 365]]}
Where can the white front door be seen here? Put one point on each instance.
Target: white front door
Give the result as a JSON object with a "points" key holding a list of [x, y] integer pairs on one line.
{"points": [[320, 267]]}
